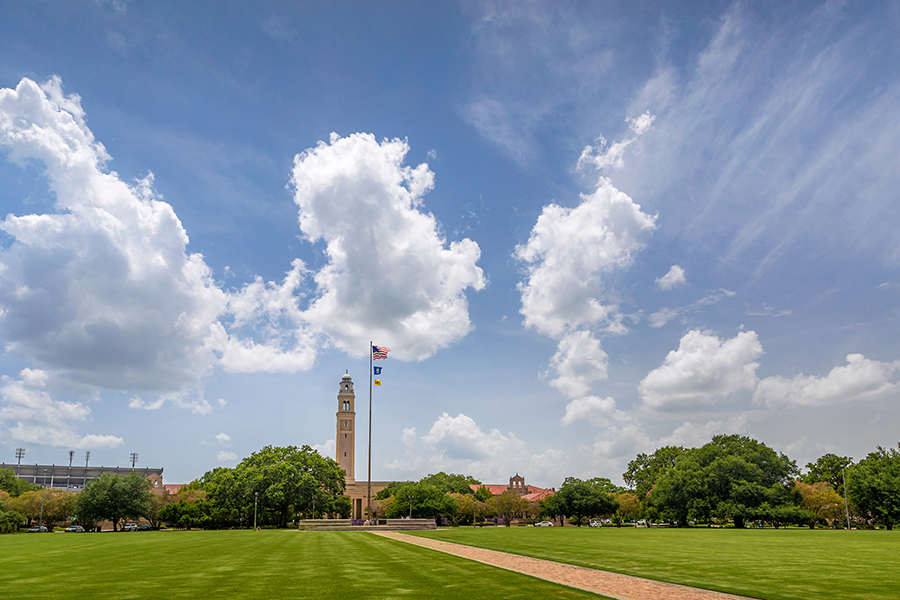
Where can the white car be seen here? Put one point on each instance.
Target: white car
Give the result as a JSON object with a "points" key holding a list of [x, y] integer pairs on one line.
{"points": [[544, 524], [129, 527]]}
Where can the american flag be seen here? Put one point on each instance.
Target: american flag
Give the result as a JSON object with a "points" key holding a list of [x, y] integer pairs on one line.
{"points": [[380, 352]]}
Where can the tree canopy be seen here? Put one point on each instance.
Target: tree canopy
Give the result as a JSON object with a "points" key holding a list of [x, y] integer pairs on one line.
{"points": [[286, 479], [874, 485], [113, 498], [733, 477], [14, 486], [578, 499]]}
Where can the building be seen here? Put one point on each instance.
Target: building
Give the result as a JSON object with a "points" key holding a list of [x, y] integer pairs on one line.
{"points": [[345, 451], [517, 484], [74, 478]]}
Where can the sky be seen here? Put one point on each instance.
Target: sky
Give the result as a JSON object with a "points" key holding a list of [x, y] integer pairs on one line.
{"points": [[585, 230]]}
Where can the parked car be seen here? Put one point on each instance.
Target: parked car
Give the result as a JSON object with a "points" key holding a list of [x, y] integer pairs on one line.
{"points": [[145, 527], [40, 529], [544, 524], [129, 527], [75, 528], [596, 523]]}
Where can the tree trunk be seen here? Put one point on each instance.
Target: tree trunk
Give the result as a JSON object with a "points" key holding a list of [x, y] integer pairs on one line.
{"points": [[738, 522], [812, 524]]}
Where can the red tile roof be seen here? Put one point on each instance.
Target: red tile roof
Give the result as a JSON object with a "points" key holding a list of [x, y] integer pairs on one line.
{"points": [[173, 488], [534, 493]]}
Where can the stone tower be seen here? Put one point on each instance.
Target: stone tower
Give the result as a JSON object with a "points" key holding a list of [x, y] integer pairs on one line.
{"points": [[345, 442]]}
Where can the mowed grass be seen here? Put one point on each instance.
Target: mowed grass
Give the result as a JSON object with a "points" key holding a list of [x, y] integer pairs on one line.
{"points": [[245, 564], [775, 564]]}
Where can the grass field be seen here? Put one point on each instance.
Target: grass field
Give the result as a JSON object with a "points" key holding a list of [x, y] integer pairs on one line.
{"points": [[773, 564], [245, 564]]}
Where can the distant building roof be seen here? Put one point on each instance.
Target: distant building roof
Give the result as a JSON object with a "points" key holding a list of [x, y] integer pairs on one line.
{"points": [[173, 488], [532, 493]]}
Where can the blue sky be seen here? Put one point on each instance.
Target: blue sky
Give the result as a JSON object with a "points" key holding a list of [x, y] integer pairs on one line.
{"points": [[585, 231]]}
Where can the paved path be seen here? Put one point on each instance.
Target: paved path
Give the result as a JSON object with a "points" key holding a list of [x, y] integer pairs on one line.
{"points": [[613, 585]]}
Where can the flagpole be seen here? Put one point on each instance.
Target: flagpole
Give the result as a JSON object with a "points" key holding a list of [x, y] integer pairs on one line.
{"points": [[369, 492]]}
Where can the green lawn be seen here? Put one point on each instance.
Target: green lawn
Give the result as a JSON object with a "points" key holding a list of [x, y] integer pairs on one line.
{"points": [[245, 564], [775, 564]]}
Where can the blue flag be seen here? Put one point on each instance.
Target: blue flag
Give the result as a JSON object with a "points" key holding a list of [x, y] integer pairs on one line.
{"points": [[377, 370]]}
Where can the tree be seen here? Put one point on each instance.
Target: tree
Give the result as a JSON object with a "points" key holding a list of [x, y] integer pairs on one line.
{"points": [[874, 485], [154, 507], [732, 478], [113, 498], [646, 469], [580, 499], [342, 507], [285, 478], [553, 508], [421, 501], [629, 507], [9, 520], [821, 501], [483, 494], [14, 486], [465, 506], [828, 468], [451, 483], [506, 505]]}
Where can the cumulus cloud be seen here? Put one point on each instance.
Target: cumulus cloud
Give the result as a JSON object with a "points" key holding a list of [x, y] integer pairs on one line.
{"points": [[568, 254], [102, 290], [390, 272], [579, 361], [30, 414], [601, 412], [459, 444], [225, 456], [693, 435], [326, 449], [223, 438], [703, 371], [673, 278], [859, 379]]}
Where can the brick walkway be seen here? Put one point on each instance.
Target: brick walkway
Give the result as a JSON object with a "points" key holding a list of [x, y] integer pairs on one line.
{"points": [[612, 585]]}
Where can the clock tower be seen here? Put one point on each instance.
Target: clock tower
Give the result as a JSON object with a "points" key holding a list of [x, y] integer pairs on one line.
{"points": [[346, 429]]}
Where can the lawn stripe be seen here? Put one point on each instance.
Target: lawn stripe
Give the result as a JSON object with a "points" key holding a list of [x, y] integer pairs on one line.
{"points": [[612, 585]]}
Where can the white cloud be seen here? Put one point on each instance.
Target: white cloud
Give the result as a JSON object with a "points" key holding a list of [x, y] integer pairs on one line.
{"points": [[642, 124], [190, 400], [102, 290], [861, 379], [326, 449], [458, 444], [694, 435], [673, 278], [703, 372], [223, 438], [568, 254], [30, 414], [225, 456], [579, 361], [390, 273], [600, 412], [222, 401]]}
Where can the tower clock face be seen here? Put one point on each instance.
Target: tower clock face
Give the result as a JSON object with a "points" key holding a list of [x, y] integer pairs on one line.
{"points": [[345, 425]]}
